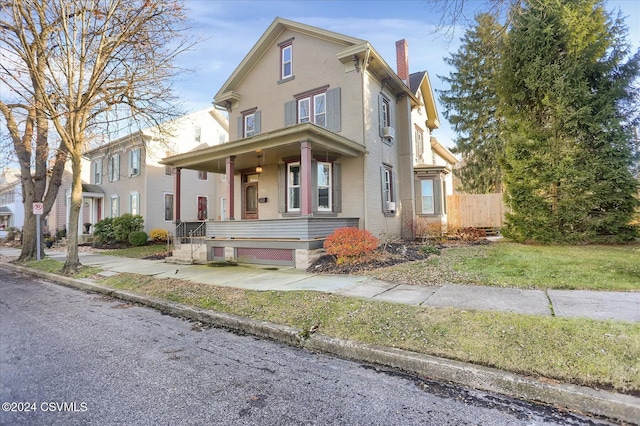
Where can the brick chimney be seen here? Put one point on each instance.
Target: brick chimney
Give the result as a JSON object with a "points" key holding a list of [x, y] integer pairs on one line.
{"points": [[402, 60]]}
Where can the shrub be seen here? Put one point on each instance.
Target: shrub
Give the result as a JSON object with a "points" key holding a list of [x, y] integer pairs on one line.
{"points": [[103, 231], [138, 238], [430, 250], [126, 224], [350, 244], [158, 235]]}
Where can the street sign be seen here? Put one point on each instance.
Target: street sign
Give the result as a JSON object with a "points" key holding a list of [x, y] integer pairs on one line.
{"points": [[38, 208]]}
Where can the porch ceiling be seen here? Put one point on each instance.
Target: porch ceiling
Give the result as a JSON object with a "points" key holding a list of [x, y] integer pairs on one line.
{"points": [[270, 146]]}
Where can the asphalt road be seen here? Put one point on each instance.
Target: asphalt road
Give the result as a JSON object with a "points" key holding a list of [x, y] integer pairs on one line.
{"points": [[72, 358]]}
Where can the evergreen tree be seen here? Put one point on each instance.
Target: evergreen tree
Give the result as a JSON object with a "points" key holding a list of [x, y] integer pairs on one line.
{"points": [[471, 106], [566, 93]]}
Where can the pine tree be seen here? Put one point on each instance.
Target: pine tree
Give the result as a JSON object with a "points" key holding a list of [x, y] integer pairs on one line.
{"points": [[568, 147], [471, 106]]}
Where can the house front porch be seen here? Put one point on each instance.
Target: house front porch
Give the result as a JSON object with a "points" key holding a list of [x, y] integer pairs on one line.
{"points": [[294, 242]]}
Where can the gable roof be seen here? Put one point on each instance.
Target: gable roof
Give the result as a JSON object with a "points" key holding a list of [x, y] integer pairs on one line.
{"points": [[353, 48], [419, 81]]}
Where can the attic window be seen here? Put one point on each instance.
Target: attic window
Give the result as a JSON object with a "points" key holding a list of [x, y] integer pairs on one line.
{"points": [[286, 59]]}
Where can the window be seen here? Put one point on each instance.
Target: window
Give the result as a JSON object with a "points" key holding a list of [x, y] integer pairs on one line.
{"points": [[134, 162], [385, 114], [97, 172], [115, 206], [286, 56], [203, 175], [313, 109], [419, 141], [223, 208], [388, 190], [324, 187], [249, 123], [428, 205], [168, 206], [168, 170], [197, 133], [114, 168], [134, 203], [203, 201], [293, 187]]}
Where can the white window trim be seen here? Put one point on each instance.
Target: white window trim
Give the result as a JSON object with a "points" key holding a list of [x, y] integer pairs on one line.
{"points": [[422, 197], [329, 187], [134, 195], [114, 199], [313, 116], [283, 62], [245, 125], [97, 171], [134, 162], [113, 166], [291, 186]]}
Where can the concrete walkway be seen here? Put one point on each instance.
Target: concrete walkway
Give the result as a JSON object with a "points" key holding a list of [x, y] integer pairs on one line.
{"points": [[599, 305]]}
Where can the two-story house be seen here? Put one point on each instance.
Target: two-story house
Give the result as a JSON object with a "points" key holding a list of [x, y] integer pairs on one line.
{"points": [[11, 207], [126, 176], [326, 135]]}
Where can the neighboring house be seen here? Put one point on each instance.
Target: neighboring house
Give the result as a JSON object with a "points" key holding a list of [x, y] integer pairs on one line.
{"points": [[11, 206], [326, 135], [126, 176]]}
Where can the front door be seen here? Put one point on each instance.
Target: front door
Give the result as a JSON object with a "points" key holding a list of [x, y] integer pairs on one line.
{"points": [[250, 196]]}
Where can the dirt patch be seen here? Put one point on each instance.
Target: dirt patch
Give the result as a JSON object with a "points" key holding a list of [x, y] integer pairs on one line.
{"points": [[387, 255]]}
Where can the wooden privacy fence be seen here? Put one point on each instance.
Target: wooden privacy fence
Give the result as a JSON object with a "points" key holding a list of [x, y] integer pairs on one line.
{"points": [[475, 210]]}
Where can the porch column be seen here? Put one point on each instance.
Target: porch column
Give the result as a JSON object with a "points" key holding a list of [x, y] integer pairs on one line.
{"points": [[305, 178], [177, 194], [230, 170]]}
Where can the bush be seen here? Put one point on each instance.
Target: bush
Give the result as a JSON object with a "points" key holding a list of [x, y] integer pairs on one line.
{"points": [[158, 235], [103, 231], [125, 225], [350, 244], [138, 238], [470, 234]]}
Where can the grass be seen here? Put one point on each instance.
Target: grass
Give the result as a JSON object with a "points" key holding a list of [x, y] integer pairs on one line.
{"points": [[505, 264], [581, 351], [55, 266]]}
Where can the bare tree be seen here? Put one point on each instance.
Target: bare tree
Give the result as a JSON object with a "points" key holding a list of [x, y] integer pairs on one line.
{"points": [[108, 66], [456, 13]]}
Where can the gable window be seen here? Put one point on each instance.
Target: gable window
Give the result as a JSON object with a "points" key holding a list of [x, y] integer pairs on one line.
{"points": [[203, 201], [286, 59], [419, 141], [388, 190], [385, 118], [293, 187], [134, 162], [202, 175], [168, 206], [385, 114], [97, 172], [197, 133], [320, 106], [324, 187], [249, 123], [115, 206], [134, 203], [114, 167]]}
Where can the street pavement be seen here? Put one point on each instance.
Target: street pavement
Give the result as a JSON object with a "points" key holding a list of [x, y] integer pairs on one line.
{"points": [[599, 305]]}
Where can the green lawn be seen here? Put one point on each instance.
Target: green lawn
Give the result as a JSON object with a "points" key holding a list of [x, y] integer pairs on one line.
{"points": [[506, 264], [138, 252]]}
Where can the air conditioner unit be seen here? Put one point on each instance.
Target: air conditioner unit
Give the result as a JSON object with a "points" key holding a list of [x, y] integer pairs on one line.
{"points": [[133, 171], [388, 132], [391, 206]]}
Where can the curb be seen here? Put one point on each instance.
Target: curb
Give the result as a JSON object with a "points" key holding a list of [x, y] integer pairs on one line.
{"points": [[580, 399]]}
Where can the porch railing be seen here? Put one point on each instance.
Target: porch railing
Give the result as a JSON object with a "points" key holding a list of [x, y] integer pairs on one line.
{"points": [[192, 233]]}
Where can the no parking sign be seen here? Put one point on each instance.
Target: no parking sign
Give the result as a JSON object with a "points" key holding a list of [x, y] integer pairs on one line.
{"points": [[38, 208]]}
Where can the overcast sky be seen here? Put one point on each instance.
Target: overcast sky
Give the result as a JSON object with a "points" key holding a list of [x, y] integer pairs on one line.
{"points": [[228, 30]]}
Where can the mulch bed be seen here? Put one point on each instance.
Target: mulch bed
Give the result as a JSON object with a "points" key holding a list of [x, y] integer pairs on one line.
{"points": [[384, 256]]}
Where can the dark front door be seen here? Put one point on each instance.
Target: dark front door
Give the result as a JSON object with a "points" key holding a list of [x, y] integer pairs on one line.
{"points": [[250, 196]]}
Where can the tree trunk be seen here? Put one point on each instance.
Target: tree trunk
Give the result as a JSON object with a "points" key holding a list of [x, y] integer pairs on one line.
{"points": [[72, 263], [29, 239]]}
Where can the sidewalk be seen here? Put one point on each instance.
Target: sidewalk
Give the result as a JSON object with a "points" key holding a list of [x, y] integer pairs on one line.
{"points": [[599, 305]]}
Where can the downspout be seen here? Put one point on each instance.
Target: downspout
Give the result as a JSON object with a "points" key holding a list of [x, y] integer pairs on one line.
{"points": [[365, 206]]}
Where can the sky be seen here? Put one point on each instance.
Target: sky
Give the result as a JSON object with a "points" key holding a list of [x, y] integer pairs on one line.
{"points": [[228, 29]]}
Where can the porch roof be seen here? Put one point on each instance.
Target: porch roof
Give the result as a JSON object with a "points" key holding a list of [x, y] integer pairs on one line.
{"points": [[278, 143]]}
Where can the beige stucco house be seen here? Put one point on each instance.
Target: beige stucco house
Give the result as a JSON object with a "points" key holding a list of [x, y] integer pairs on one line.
{"points": [[126, 176], [325, 134]]}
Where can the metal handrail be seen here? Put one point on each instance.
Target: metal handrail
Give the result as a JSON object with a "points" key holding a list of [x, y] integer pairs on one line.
{"points": [[197, 237]]}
